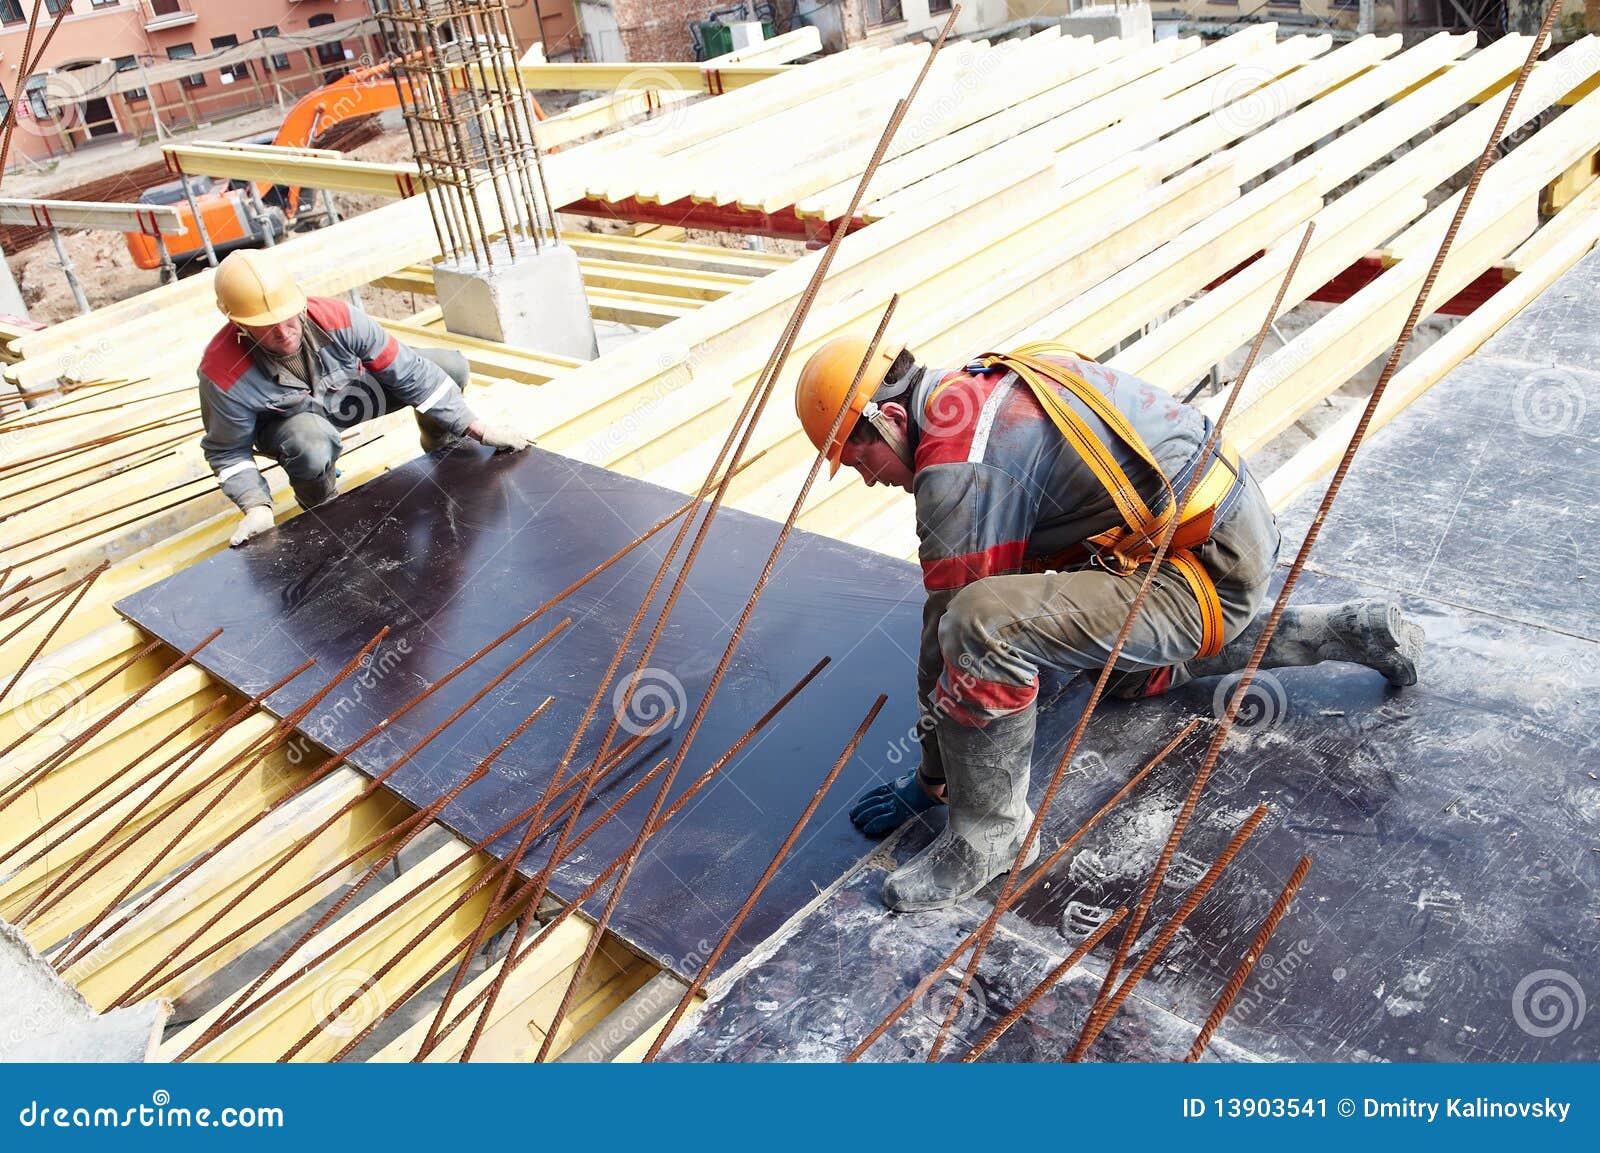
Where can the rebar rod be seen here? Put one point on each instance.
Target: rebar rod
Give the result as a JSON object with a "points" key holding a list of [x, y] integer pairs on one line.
{"points": [[1247, 676], [1048, 982], [1248, 963], [1038, 873], [1168, 932], [760, 396], [71, 747], [733, 750], [763, 881], [372, 786], [244, 1004], [69, 954], [1103, 680], [154, 977]]}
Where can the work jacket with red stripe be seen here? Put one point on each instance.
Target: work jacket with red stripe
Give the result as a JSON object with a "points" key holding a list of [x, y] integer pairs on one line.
{"points": [[349, 350], [998, 488]]}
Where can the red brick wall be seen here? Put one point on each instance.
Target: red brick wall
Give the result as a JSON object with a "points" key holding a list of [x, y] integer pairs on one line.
{"points": [[659, 29]]}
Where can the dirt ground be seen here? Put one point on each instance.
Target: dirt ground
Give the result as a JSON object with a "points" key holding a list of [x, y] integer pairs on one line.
{"points": [[101, 259]]}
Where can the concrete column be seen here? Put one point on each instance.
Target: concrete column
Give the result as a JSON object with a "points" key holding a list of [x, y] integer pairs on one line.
{"points": [[10, 295], [533, 301]]}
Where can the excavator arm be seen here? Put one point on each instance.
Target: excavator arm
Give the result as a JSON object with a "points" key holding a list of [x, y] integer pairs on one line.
{"points": [[229, 221]]}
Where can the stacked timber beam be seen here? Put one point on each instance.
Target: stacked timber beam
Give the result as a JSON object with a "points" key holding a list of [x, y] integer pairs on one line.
{"points": [[1145, 200]]}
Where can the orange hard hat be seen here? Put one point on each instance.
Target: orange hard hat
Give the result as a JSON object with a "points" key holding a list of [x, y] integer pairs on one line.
{"points": [[825, 383], [256, 290]]}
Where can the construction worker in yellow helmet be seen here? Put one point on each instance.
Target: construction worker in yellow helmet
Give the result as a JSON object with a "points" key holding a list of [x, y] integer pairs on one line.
{"points": [[288, 373], [1043, 482]]}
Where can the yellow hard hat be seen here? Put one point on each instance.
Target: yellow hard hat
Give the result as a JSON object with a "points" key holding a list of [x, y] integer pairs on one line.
{"points": [[255, 290], [825, 382]]}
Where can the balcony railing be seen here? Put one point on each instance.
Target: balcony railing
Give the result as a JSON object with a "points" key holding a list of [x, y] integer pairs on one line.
{"points": [[161, 14]]}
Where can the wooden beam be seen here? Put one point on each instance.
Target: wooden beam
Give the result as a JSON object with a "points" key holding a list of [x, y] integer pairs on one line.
{"points": [[150, 219], [1561, 244], [273, 166], [691, 77]]}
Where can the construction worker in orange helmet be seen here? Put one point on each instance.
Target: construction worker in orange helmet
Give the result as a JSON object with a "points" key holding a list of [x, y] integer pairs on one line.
{"points": [[288, 372], [1043, 481]]}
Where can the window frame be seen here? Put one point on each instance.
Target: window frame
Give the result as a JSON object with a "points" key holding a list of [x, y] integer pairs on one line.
{"points": [[232, 73], [193, 80], [277, 61]]}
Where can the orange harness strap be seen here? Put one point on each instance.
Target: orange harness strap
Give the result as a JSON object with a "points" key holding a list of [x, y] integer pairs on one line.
{"points": [[1123, 550]]}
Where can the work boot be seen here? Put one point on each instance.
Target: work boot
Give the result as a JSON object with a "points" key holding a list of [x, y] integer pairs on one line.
{"points": [[986, 771], [320, 489], [1366, 632]]}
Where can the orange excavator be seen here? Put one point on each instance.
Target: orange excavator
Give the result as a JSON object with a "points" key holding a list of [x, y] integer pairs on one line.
{"points": [[239, 216]]}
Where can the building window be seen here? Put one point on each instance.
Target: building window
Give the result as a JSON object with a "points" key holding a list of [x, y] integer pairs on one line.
{"points": [[11, 12], [165, 7], [278, 61], [882, 12], [937, 7], [104, 3], [54, 6], [130, 64], [185, 52], [38, 104], [331, 52], [5, 104], [231, 72]]}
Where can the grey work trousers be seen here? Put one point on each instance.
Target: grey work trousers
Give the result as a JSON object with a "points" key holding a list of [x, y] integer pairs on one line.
{"points": [[998, 633], [307, 444]]}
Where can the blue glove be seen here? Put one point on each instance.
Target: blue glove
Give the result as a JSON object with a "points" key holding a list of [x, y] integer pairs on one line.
{"points": [[884, 808]]}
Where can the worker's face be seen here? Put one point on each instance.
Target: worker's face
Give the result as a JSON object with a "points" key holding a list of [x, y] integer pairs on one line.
{"points": [[870, 455], [279, 339]]}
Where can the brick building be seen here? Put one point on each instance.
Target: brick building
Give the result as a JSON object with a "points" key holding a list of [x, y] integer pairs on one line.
{"points": [[115, 66]]}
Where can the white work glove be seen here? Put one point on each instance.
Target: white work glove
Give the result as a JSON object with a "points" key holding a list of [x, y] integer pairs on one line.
{"points": [[255, 521], [502, 438]]}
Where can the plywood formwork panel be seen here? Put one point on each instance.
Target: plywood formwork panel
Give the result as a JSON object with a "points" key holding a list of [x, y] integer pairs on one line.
{"points": [[650, 408]]}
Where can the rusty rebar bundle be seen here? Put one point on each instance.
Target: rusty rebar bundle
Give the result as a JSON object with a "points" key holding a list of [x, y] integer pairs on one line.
{"points": [[470, 124]]}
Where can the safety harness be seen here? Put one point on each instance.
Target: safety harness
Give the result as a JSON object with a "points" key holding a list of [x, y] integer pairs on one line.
{"points": [[1124, 549]]}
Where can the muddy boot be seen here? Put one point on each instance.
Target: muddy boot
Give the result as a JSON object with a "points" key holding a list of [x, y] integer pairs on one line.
{"points": [[319, 489], [1367, 632], [986, 771]]}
